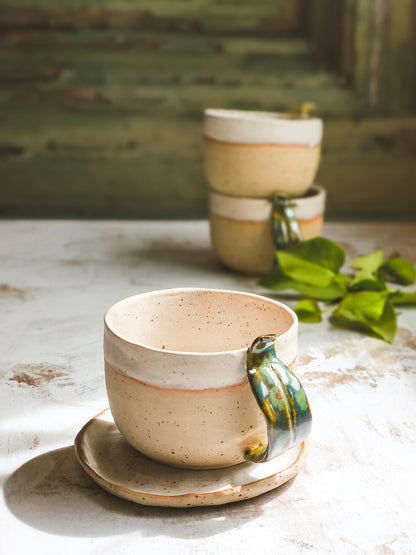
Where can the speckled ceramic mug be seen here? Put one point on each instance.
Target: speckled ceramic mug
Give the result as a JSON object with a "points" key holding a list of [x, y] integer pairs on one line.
{"points": [[259, 154], [176, 365], [241, 228]]}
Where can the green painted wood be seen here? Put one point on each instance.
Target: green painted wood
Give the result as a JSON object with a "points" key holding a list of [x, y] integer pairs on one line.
{"points": [[101, 105], [232, 16], [369, 168], [398, 66], [94, 40], [170, 80], [142, 168], [370, 44]]}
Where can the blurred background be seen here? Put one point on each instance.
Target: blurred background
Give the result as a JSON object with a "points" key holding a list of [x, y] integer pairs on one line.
{"points": [[101, 102]]}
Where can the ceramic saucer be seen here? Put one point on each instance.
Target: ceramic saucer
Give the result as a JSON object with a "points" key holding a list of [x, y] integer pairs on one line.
{"points": [[123, 471]]}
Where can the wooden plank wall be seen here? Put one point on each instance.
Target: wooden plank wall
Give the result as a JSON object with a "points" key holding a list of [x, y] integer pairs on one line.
{"points": [[101, 106]]}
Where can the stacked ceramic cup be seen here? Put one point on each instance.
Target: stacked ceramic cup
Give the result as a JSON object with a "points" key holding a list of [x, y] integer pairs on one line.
{"points": [[253, 162]]}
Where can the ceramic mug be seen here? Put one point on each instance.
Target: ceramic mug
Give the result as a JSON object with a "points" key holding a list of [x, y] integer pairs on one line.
{"points": [[260, 154], [188, 386], [242, 233]]}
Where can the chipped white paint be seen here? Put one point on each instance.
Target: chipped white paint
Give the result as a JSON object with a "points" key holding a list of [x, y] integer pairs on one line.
{"points": [[356, 493]]}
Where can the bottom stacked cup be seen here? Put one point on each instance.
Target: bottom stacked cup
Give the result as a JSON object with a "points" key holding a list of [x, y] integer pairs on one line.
{"points": [[241, 228]]}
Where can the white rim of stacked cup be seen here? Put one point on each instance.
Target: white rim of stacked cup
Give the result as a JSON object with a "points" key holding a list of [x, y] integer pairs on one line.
{"points": [[251, 209], [239, 126]]}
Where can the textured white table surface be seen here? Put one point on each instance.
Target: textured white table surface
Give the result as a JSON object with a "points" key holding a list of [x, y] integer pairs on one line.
{"points": [[357, 493]]}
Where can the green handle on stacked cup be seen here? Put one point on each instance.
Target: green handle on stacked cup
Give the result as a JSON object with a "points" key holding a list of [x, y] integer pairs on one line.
{"points": [[246, 232]]}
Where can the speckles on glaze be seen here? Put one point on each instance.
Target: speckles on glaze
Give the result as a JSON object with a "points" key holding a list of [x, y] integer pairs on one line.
{"points": [[243, 316], [208, 429], [259, 170], [177, 405]]}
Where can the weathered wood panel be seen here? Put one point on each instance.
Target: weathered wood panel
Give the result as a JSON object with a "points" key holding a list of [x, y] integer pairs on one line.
{"points": [[141, 167], [183, 16], [370, 44], [101, 107], [369, 168]]}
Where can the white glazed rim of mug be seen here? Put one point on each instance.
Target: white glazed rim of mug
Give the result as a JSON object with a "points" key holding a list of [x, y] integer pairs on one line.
{"points": [[241, 127], [112, 329], [252, 209], [259, 116]]}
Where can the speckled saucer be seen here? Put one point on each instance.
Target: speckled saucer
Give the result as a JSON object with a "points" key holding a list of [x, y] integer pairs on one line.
{"points": [[123, 471]]}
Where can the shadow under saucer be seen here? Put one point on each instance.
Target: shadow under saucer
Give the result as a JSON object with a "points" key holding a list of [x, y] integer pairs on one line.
{"points": [[52, 493]]}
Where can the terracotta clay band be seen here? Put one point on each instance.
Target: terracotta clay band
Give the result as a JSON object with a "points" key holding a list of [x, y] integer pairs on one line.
{"points": [[257, 145], [181, 390], [261, 222]]}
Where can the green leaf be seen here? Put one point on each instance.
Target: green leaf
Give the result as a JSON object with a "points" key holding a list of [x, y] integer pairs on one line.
{"points": [[320, 251], [368, 266], [343, 318], [277, 281], [370, 262], [363, 275], [304, 271], [399, 270], [370, 304], [368, 285], [343, 280], [403, 298], [332, 292], [384, 328], [308, 311]]}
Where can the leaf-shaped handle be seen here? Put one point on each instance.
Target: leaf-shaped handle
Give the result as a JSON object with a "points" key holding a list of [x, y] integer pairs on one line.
{"points": [[285, 226], [281, 398]]}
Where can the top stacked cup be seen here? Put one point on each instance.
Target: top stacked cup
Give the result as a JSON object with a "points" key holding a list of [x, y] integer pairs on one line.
{"points": [[261, 154]]}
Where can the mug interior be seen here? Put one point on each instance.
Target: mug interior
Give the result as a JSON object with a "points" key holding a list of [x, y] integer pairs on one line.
{"points": [[197, 320]]}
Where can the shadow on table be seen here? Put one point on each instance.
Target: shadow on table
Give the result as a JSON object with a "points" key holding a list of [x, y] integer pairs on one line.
{"points": [[166, 252], [53, 494]]}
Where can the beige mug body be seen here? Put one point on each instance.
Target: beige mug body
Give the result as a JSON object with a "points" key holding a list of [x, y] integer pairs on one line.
{"points": [[259, 154], [241, 229], [176, 374]]}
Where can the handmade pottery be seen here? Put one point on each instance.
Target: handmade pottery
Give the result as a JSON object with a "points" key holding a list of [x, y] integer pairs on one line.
{"points": [[242, 232], [259, 154], [123, 471], [177, 374]]}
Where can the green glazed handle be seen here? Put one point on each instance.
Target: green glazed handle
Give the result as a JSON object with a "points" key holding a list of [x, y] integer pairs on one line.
{"points": [[285, 226], [281, 398]]}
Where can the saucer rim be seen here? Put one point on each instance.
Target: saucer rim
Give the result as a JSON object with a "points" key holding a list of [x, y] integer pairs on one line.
{"points": [[221, 496]]}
